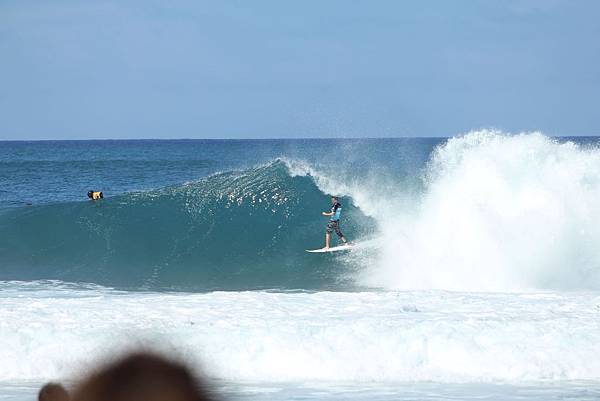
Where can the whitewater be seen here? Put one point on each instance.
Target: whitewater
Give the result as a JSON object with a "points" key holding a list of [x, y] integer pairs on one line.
{"points": [[477, 274]]}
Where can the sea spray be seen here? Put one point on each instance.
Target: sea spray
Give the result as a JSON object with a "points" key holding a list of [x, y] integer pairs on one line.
{"points": [[498, 212]]}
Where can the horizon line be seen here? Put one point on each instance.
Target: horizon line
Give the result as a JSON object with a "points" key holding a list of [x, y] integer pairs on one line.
{"points": [[221, 139], [270, 139]]}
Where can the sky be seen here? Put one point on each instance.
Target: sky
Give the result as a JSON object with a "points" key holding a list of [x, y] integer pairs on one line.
{"points": [[80, 69]]}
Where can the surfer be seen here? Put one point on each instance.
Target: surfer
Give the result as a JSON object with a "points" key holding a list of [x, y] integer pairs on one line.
{"points": [[95, 195], [334, 222]]}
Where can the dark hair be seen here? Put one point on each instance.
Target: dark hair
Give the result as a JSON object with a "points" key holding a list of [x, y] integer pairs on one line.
{"points": [[53, 392], [334, 197], [142, 376]]}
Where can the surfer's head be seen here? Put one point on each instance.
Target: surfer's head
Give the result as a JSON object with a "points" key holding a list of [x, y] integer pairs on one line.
{"points": [[142, 376], [334, 199], [95, 195], [53, 392]]}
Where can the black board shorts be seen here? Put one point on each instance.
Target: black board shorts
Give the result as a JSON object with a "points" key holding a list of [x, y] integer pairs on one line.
{"points": [[334, 225]]}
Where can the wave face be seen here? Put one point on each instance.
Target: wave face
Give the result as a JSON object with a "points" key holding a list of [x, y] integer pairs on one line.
{"points": [[236, 230], [497, 212]]}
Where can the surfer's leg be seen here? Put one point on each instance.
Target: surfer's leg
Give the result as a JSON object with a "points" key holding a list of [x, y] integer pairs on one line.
{"points": [[328, 232], [339, 233]]}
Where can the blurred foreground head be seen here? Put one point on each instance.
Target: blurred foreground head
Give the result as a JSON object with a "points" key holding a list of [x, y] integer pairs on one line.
{"points": [[143, 377], [53, 392]]}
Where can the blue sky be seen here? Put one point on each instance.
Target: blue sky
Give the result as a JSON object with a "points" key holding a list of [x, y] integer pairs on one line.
{"points": [[264, 69]]}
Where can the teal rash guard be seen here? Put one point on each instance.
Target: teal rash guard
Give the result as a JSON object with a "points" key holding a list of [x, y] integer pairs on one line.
{"points": [[337, 211]]}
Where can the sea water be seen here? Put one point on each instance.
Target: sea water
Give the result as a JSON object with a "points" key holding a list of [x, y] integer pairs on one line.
{"points": [[476, 273]]}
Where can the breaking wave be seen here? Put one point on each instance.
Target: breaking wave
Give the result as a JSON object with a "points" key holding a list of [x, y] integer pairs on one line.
{"points": [[235, 230], [492, 212]]}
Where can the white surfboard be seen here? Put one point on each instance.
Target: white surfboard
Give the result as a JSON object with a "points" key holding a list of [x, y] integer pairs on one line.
{"points": [[332, 249]]}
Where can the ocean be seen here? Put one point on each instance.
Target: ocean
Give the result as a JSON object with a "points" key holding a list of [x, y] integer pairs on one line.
{"points": [[475, 272]]}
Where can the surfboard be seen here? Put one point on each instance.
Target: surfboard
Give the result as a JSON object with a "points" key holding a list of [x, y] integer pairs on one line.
{"points": [[332, 249]]}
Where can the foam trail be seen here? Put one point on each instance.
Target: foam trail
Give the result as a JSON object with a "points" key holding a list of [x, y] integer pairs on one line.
{"points": [[300, 337]]}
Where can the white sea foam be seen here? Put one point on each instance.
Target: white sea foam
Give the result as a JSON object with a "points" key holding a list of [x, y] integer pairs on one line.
{"points": [[498, 212], [273, 337]]}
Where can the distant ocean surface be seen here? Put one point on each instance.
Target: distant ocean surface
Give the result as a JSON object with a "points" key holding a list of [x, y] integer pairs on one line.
{"points": [[476, 270]]}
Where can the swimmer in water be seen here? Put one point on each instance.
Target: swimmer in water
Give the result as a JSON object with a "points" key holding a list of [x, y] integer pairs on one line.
{"points": [[95, 195]]}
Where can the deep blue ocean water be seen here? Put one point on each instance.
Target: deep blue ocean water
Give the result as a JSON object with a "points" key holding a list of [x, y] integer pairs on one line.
{"points": [[55, 171]]}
